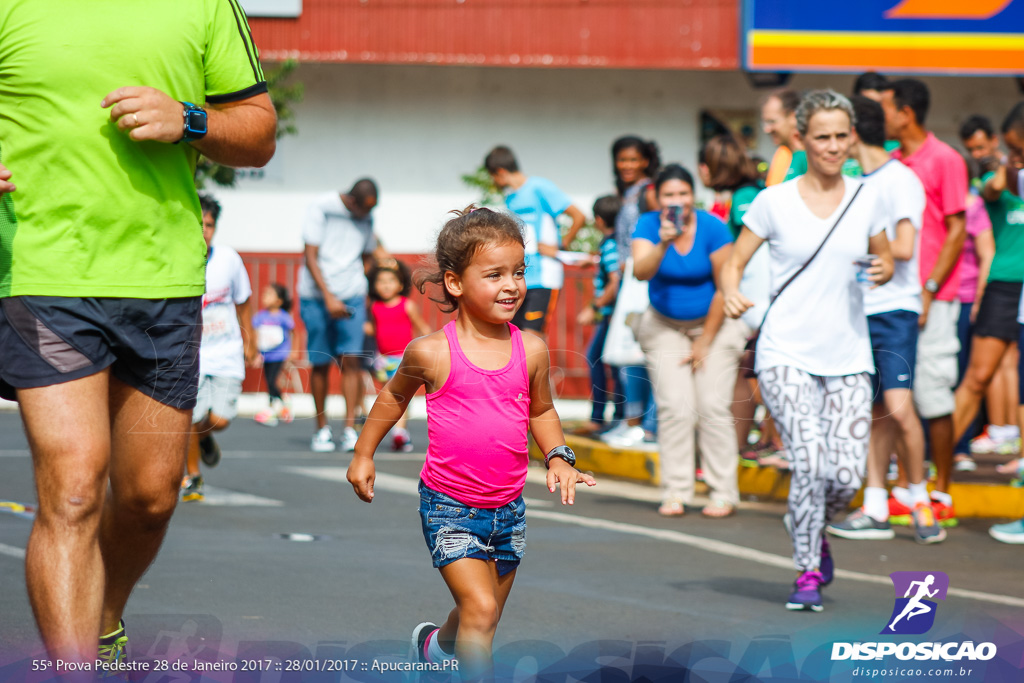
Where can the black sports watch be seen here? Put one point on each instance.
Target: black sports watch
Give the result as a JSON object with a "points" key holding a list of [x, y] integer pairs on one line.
{"points": [[195, 122], [563, 452]]}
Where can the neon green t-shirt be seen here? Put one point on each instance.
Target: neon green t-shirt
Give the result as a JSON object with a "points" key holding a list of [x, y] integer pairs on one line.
{"points": [[96, 213], [1007, 216]]}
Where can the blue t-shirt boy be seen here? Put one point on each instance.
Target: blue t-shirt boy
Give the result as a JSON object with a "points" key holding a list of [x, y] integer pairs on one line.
{"points": [[539, 202]]}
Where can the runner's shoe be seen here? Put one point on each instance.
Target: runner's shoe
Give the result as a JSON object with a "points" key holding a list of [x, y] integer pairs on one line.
{"points": [[828, 565], [1011, 532], [944, 514], [401, 442], [899, 514], [348, 439], [323, 440], [266, 417], [926, 527], [113, 649], [285, 415], [806, 593], [861, 526], [418, 644], [192, 488], [209, 451]]}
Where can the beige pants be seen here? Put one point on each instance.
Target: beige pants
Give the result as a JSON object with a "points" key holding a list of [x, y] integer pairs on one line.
{"points": [[694, 407]]}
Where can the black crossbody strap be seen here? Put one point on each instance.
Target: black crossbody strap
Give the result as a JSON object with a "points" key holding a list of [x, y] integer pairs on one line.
{"points": [[814, 255]]}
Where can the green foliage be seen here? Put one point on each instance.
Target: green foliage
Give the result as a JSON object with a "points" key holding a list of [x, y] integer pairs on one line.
{"points": [[588, 239], [480, 180], [284, 96]]}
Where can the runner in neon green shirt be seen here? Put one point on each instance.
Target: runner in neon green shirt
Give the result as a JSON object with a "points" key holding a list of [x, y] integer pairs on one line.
{"points": [[101, 275]]}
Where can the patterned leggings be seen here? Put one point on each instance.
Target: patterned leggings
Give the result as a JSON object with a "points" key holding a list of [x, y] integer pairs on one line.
{"points": [[825, 424]]}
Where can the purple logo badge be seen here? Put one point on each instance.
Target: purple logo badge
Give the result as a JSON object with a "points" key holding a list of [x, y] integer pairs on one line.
{"points": [[916, 592]]}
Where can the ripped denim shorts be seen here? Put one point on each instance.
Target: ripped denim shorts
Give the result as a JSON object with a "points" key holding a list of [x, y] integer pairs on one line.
{"points": [[454, 531]]}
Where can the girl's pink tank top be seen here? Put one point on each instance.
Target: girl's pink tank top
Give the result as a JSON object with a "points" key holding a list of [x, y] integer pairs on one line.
{"points": [[477, 424]]}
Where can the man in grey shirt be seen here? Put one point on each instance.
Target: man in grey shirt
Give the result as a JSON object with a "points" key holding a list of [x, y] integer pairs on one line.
{"points": [[339, 240]]}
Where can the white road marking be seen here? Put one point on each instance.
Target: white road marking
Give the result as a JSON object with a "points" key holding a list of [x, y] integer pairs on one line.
{"points": [[224, 498], [396, 484], [12, 551]]}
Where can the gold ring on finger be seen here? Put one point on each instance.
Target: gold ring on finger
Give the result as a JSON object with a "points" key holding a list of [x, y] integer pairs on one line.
{"points": [[135, 120]]}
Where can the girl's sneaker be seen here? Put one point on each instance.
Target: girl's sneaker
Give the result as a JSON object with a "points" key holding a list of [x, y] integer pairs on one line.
{"points": [[285, 415], [401, 442], [266, 418], [806, 593], [418, 643]]}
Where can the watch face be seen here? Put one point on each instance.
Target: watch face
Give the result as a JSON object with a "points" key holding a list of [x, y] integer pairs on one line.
{"points": [[195, 122]]}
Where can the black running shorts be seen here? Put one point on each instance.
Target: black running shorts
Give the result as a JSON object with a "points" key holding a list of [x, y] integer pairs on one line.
{"points": [[537, 306], [152, 345]]}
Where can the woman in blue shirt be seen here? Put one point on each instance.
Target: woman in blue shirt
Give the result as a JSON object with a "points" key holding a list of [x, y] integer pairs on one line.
{"points": [[692, 350]]}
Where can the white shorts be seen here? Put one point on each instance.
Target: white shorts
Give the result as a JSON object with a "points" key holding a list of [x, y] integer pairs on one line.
{"points": [[936, 372], [217, 395]]}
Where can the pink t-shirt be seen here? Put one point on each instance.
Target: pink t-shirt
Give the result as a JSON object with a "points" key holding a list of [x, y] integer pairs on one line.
{"points": [[477, 426], [977, 223], [394, 327], [943, 173]]}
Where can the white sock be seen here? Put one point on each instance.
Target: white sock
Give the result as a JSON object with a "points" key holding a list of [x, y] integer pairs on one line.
{"points": [[942, 497], [918, 493], [434, 652], [903, 496], [1012, 431], [876, 503]]}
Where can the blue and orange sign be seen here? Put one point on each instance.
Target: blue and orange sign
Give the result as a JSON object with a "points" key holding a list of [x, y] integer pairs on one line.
{"points": [[925, 36]]}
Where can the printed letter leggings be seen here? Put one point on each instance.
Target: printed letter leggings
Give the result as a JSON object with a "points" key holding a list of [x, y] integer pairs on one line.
{"points": [[825, 423]]}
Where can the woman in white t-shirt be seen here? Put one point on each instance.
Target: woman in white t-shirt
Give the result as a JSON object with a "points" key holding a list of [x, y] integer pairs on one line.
{"points": [[814, 353]]}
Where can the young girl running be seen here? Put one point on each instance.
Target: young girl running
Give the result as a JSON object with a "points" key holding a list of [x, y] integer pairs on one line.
{"points": [[487, 385], [274, 327], [395, 320]]}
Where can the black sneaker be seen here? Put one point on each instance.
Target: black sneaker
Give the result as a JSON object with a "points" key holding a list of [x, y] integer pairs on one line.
{"points": [[861, 526], [418, 644], [209, 451]]}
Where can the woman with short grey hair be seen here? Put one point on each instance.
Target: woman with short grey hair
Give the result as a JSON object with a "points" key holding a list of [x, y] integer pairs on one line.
{"points": [[813, 353]]}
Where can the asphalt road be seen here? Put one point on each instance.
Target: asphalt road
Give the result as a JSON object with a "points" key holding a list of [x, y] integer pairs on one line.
{"points": [[606, 584]]}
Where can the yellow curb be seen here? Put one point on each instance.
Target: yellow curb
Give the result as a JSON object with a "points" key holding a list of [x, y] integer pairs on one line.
{"points": [[768, 483]]}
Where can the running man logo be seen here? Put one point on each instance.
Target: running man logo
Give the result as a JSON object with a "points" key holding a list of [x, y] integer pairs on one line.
{"points": [[947, 9], [914, 612]]}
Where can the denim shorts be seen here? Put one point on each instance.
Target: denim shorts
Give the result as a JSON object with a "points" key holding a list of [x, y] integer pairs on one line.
{"points": [[328, 338], [454, 531]]}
